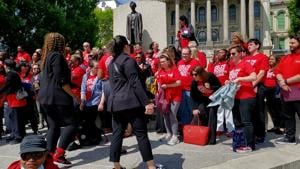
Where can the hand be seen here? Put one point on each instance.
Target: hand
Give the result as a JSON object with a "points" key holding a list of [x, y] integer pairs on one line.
{"points": [[149, 108], [196, 112], [227, 82], [286, 88], [237, 80], [164, 86], [207, 85], [81, 106], [76, 100], [203, 89], [100, 107]]}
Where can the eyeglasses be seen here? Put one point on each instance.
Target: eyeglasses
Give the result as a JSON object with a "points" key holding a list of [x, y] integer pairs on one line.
{"points": [[32, 155], [233, 54], [194, 74]]}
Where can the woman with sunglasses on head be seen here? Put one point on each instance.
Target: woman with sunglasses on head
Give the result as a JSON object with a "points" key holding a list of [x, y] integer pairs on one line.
{"points": [[203, 85], [244, 104], [168, 79]]}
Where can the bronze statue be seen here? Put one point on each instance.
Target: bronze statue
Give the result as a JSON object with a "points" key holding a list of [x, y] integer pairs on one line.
{"points": [[134, 25]]}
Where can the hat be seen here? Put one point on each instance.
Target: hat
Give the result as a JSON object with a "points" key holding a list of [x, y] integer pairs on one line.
{"points": [[33, 143]]}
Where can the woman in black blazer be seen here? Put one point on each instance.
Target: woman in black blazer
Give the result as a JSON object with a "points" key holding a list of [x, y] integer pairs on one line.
{"points": [[56, 97], [127, 102]]}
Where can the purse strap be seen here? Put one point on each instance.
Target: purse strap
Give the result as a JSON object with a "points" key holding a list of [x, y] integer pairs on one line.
{"points": [[196, 118]]}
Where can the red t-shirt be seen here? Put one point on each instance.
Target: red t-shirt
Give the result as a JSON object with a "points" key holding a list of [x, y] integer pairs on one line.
{"points": [[103, 64], [270, 80], [185, 69], [289, 66], [221, 71], [86, 59], [77, 74], [243, 69], [2, 96], [202, 59], [90, 85], [22, 56], [169, 77], [258, 61], [13, 102], [184, 42], [155, 65], [210, 67]]}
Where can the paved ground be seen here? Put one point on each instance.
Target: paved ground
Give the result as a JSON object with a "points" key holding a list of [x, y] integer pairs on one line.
{"points": [[181, 156]]}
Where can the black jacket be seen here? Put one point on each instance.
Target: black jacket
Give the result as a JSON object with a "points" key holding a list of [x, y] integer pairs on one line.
{"points": [[127, 90], [12, 83], [55, 74], [197, 97]]}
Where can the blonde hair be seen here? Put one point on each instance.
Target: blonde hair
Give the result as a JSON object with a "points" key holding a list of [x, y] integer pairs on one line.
{"points": [[194, 53], [53, 41]]}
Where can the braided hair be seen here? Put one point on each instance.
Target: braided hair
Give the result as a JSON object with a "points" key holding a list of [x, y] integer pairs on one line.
{"points": [[53, 41]]}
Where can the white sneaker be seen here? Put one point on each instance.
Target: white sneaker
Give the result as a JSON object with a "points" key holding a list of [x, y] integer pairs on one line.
{"points": [[174, 140], [165, 137]]}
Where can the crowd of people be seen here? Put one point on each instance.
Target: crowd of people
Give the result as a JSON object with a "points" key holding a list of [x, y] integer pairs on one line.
{"points": [[121, 83]]}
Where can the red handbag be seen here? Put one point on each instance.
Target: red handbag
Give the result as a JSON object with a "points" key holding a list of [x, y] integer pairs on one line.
{"points": [[195, 134]]}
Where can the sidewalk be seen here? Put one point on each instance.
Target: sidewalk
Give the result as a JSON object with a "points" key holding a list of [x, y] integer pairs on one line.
{"points": [[180, 156]]}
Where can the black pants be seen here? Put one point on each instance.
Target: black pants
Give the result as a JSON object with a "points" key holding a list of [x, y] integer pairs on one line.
{"points": [[89, 127], [289, 109], [18, 122], [242, 117], [136, 118], [212, 124], [259, 116], [60, 116]]}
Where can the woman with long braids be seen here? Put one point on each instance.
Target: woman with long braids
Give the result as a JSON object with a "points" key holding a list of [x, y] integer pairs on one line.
{"points": [[56, 98]]}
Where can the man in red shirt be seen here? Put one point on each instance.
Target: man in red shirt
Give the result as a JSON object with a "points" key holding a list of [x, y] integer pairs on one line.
{"points": [[185, 67], [22, 56], [288, 77], [86, 52], [261, 64]]}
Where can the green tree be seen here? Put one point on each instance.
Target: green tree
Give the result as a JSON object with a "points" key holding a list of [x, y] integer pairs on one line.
{"points": [[294, 15], [105, 26], [25, 22]]}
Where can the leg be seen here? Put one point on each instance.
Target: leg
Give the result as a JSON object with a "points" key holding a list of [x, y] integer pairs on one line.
{"points": [[220, 119], [138, 122], [212, 124], [259, 113], [53, 130], [173, 118], [229, 120], [246, 111]]}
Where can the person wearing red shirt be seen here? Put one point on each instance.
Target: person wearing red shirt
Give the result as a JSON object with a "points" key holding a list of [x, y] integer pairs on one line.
{"points": [[185, 33], [11, 87], [168, 79], [221, 71], [197, 54], [103, 65], [244, 105], [288, 76], [22, 56], [68, 54], [86, 52], [77, 73], [185, 67], [155, 56], [260, 62], [273, 102]]}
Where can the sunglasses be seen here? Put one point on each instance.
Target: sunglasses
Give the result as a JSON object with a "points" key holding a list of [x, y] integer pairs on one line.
{"points": [[194, 74], [32, 155]]}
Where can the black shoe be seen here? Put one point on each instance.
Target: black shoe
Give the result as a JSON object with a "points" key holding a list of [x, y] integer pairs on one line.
{"points": [[73, 146], [286, 141], [62, 162], [272, 130], [279, 132], [10, 138], [260, 140]]}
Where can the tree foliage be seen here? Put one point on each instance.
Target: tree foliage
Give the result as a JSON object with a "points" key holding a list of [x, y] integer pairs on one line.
{"points": [[105, 26], [294, 15], [25, 22]]}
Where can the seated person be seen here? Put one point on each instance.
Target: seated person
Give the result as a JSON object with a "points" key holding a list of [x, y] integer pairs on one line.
{"points": [[34, 155]]}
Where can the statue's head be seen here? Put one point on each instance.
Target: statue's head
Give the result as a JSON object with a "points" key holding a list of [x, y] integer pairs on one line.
{"points": [[132, 5]]}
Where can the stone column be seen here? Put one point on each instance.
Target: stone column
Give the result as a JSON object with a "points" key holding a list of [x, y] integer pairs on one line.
{"points": [[266, 23], [193, 15], [176, 16], [243, 19], [208, 22], [225, 21], [251, 19]]}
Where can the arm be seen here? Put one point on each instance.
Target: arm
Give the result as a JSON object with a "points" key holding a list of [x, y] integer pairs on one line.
{"points": [[259, 77], [282, 83], [175, 84], [293, 79], [249, 78]]}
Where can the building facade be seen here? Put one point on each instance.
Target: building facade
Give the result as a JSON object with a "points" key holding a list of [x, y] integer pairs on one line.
{"points": [[215, 20]]}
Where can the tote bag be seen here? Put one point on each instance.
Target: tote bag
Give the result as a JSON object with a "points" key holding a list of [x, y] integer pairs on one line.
{"points": [[195, 134]]}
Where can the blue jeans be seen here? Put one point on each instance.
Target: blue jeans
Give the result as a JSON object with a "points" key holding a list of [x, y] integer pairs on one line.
{"points": [[242, 116], [185, 108]]}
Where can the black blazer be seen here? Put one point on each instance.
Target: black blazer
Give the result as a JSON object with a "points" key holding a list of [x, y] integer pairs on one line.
{"points": [[12, 83], [55, 74], [127, 91]]}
